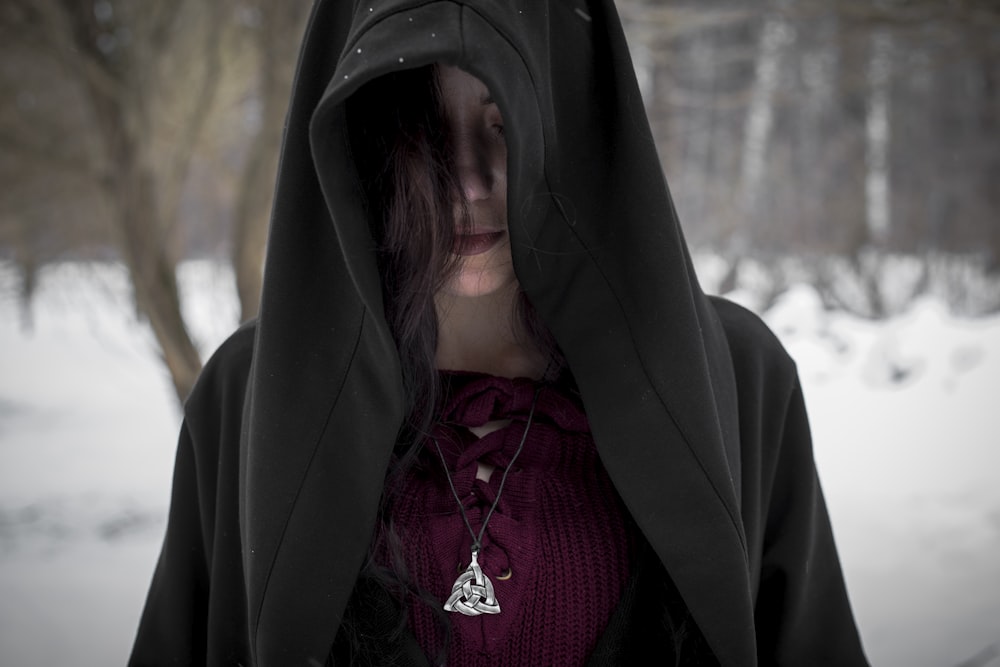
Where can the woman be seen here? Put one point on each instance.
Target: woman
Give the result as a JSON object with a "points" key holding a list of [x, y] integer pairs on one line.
{"points": [[486, 415]]}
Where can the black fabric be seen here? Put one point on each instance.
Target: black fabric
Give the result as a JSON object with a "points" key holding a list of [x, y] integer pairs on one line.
{"points": [[651, 620], [695, 408], [375, 637]]}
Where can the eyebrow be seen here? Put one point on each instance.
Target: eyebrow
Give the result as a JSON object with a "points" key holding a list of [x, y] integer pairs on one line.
{"points": [[487, 100]]}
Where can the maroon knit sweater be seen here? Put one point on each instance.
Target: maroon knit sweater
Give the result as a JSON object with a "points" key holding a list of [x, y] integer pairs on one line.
{"points": [[556, 548]]}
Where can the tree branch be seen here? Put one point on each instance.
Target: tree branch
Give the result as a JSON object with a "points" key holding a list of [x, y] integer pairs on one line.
{"points": [[43, 154], [53, 25], [197, 119]]}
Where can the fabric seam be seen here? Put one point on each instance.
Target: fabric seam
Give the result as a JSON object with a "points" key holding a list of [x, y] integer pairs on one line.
{"points": [[301, 483]]}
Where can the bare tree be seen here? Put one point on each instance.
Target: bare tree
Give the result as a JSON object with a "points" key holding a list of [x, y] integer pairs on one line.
{"points": [[144, 75], [858, 131]]}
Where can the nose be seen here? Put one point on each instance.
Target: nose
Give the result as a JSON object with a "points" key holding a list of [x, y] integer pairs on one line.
{"points": [[474, 160]]}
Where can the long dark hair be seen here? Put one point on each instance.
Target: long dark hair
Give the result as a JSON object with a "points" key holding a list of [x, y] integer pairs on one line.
{"points": [[401, 147], [400, 144]]}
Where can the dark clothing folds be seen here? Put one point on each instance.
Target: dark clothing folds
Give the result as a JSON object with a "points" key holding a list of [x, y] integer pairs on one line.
{"points": [[695, 409]]}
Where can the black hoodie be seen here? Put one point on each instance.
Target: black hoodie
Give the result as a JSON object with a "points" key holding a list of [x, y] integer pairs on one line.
{"points": [[695, 408]]}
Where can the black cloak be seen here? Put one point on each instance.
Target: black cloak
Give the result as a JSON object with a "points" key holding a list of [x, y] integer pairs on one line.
{"points": [[695, 408]]}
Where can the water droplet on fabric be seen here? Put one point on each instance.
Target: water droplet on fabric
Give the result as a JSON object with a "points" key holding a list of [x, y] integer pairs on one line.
{"points": [[359, 50], [400, 60]]}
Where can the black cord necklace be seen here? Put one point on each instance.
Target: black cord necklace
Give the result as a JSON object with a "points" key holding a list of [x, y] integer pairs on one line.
{"points": [[472, 593]]}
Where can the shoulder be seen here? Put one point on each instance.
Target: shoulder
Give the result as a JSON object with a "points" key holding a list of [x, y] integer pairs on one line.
{"points": [[754, 348], [213, 416], [221, 386]]}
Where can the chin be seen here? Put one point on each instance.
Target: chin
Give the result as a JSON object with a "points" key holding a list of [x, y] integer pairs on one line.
{"points": [[472, 284]]}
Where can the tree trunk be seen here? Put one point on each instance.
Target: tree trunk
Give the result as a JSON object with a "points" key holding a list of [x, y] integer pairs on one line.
{"points": [[131, 186], [152, 269], [877, 194], [759, 123]]}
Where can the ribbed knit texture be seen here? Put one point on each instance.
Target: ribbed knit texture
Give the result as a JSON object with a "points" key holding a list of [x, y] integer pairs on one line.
{"points": [[559, 527]]}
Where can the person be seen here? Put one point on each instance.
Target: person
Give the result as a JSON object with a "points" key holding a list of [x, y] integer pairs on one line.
{"points": [[486, 415]]}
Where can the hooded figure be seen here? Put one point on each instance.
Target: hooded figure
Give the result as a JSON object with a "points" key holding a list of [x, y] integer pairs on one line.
{"points": [[701, 472]]}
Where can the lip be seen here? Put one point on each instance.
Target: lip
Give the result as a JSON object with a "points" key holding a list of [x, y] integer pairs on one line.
{"points": [[476, 244]]}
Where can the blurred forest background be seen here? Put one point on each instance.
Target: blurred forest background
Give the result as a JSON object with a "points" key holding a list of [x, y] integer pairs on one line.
{"points": [[851, 144]]}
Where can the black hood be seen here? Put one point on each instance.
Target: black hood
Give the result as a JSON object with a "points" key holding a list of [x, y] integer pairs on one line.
{"points": [[597, 248]]}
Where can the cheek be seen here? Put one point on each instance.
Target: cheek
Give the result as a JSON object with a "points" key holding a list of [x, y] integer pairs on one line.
{"points": [[501, 182]]}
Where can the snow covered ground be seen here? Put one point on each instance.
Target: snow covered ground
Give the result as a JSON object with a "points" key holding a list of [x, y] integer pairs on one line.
{"points": [[905, 416]]}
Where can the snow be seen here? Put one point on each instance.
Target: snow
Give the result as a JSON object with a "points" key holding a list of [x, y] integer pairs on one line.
{"points": [[905, 421], [904, 416]]}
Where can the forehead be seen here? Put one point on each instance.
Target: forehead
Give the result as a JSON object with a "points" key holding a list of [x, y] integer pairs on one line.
{"points": [[457, 85]]}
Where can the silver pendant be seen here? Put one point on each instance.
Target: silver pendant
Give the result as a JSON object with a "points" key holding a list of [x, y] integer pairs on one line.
{"points": [[472, 594]]}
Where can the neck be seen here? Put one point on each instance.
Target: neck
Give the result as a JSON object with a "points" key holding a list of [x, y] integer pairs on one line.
{"points": [[483, 334]]}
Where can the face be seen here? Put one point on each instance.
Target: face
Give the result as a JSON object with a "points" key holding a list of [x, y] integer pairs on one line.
{"points": [[475, 127]]}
